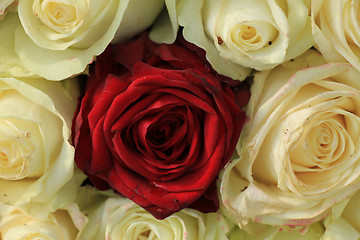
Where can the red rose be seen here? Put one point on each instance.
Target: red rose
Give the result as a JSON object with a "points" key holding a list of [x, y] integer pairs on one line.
{"points": [[157, 126]]}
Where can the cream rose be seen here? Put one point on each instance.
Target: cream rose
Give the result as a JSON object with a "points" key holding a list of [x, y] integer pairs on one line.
{"points": [[259, 34], [60, 38], [336, 30], [300, 153], [115, 218], [36, 158], [64, 224]]}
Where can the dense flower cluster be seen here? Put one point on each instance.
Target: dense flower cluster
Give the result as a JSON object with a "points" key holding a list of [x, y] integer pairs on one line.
{"points": [[179, 119]]}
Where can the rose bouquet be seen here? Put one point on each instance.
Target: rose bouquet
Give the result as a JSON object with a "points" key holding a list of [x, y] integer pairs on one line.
{"points": [[179, 119]]}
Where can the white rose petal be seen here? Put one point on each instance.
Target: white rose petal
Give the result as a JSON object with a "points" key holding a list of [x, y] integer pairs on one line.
{"points": [[10, 64], [336, 30], [344, 220], [60, 38], [300, 154], [131, 24], [5, 6], [166, 27]]}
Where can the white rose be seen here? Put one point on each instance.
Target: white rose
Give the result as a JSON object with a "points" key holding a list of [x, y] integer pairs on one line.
{"points": [[300, 152], [65, 223], [60, 38], [259, 34], [119, 218], [336, 28], [36, 158]]}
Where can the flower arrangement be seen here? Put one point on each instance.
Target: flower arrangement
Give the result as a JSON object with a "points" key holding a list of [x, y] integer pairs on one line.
{"points": [[179, 119]]}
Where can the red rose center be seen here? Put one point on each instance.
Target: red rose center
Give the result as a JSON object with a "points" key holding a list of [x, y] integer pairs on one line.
{"points": [[159, 133]]}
